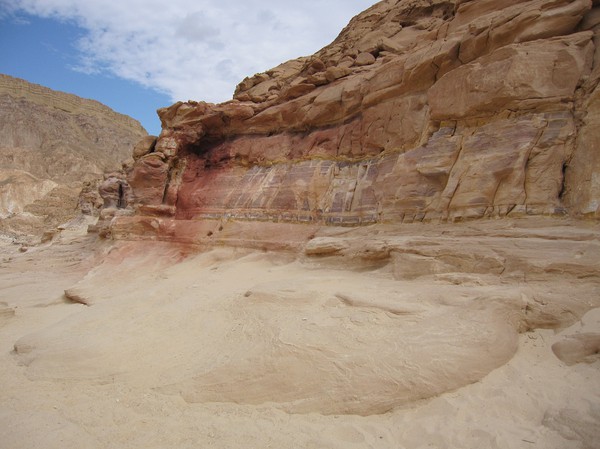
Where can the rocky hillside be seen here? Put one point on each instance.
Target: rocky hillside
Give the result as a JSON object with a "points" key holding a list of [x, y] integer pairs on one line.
{"points": [[419, 110], [50, 144]]}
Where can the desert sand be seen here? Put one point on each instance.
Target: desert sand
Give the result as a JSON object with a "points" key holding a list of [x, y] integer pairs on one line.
{"points": [[473, 335]]}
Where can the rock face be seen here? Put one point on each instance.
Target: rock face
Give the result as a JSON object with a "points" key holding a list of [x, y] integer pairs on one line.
{"points": [[50, 144], [419, 110], [18, 188]]}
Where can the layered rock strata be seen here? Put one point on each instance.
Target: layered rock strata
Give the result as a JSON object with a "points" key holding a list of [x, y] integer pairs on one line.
{"points": [[419, 110]]}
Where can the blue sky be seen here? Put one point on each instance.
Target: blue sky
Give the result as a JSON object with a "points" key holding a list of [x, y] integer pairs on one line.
{"points": [[42, 51], [139, 55]]}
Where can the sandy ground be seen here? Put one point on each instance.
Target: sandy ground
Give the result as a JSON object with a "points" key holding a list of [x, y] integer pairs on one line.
{"points": [[238, 348]]}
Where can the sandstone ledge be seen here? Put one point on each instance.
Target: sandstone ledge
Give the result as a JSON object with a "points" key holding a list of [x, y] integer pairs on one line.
{"points": [[502, 248]]}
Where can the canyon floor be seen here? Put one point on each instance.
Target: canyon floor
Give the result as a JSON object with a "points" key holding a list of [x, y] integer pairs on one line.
{"points": [[482, 334]]}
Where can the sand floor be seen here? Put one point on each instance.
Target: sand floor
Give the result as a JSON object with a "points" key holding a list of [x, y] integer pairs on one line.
{"points": [[238, 348]]}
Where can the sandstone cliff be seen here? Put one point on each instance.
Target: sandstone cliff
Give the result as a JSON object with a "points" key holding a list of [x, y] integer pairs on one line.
{"points": [[50, 143], [476, 334], [419, 110]]}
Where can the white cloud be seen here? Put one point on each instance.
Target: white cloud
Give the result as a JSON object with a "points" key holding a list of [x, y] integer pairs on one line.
{"points": [[196, 50]]}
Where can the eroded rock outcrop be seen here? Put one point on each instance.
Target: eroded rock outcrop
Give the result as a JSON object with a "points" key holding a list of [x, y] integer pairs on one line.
{"points": [[51, 145], [419, 110]]}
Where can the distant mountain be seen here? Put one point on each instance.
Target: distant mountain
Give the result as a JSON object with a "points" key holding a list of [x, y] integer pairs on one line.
{"points": [[51, 143]]}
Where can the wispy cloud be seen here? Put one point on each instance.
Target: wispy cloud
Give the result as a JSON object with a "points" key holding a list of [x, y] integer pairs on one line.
{"points": [[194, 50]]}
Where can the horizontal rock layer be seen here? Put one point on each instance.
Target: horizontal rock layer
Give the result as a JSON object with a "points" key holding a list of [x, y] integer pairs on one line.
{"points": [[63, 101]]}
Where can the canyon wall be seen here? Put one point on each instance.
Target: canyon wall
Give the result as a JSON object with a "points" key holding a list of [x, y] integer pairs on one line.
{"points": [[420, 110], [51, 143]]}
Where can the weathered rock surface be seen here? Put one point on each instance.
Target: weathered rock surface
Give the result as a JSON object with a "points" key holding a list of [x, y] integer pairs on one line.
{"points": [[419, 110], [58, 140], [360, 321], [19, 188]]}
